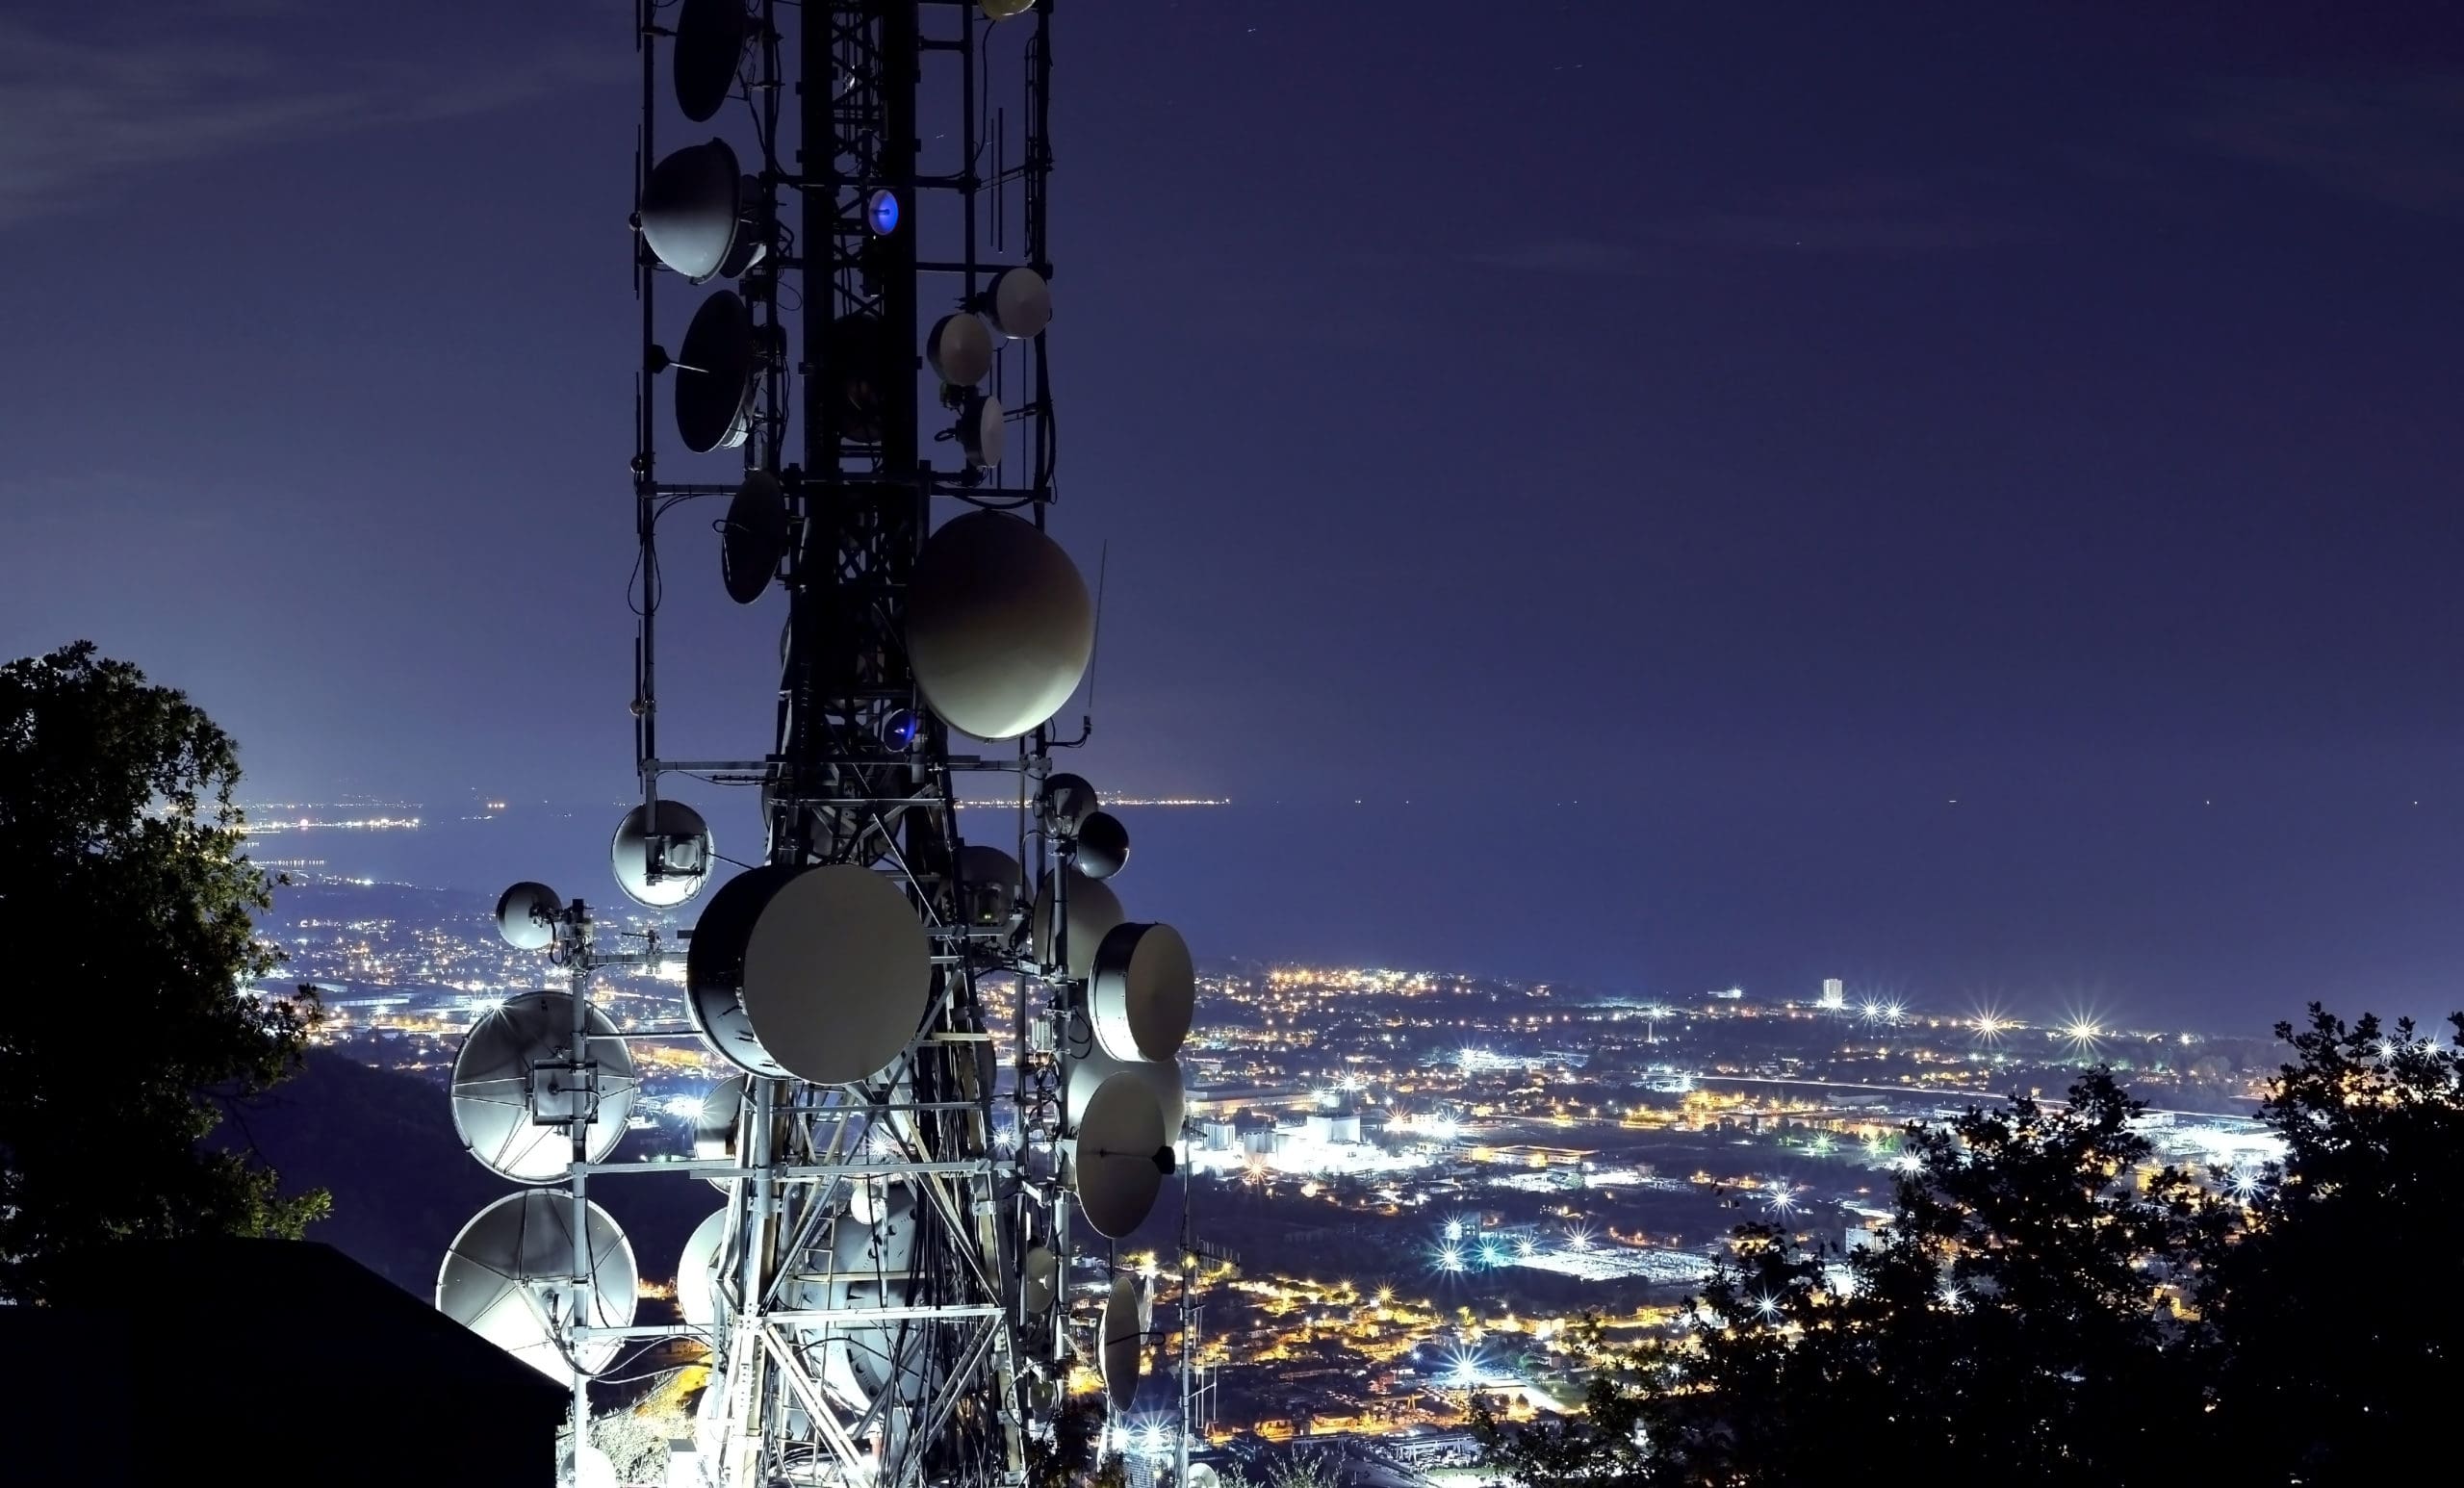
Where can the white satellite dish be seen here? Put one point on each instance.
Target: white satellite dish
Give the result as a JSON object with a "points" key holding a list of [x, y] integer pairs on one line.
{"points": [[980, 431], [1143, 993], [1021, 303], [1202, 1475], [714, 1125], [594, 1469], [1039, 1278], [999, 627], [696, 212], [687, 862], [501, 1088], [958, 348], [507, 1277], [1088, 1071], [696, 1271], [1002, 10], [714, 376], [709, 46], [525, 916], [822, 974], [1124, 1343], [754, 537], [991, 885], [1119, 1159], [1102, 847], [1071, 801], [1093, 910]]}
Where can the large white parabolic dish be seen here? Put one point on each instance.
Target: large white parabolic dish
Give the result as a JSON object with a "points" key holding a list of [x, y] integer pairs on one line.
{"points": [[507, 1275], [1124, 1342], [494, 1080], [1090, 1070], [999, 627], [692, 212], [1119, 1159], [1143, 993], [1093, 911], [822, 974], [696, 1271]]}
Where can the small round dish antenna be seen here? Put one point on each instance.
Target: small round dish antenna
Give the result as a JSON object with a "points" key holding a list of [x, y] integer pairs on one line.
{"points": [[1143, 993], [1103, 846], [513, 1075], [1088, 1071], [1067, 798], [959, 349], [1039, 1278], [1118, 1160], [991, 885], [697, 216], [754, 537], [714, 1124], [714, 381], [1093, 912], [980, 432], [999, 625], [1020, 303], [527, 917], [508, 1277], [683, 855], [823, 973], [709, 46], [1124, 1343], [696, 1289]]}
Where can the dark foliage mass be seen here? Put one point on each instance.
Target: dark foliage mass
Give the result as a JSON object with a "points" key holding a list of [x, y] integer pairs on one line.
{"points": [[121, 877], [2048, 1307]]}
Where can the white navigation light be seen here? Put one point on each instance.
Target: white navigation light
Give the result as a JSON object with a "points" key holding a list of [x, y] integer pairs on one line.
{"points": [[709, 46], [1120, 1156], [683, 855], [1093, 910], [999, 625], [697, 212], [1143, 993], [1021, 303], [516, 1073], [714, 376], [508, 1277], [527, 917], [823, 973], [959, 349]]}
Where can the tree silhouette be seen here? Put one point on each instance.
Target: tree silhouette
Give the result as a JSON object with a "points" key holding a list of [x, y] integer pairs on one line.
{"points": [[2340, 1339], [120, 875]]}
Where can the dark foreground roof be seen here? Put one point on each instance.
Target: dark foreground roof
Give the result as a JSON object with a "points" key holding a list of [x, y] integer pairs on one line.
{"points": [[261, 1360]]}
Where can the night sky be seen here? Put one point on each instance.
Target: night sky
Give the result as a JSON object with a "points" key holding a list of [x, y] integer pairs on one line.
{"points": [[1963, 496]]}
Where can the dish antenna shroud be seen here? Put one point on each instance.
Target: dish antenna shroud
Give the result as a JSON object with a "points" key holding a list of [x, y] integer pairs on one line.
{"points": [[820, 974], [999, 625], [1143, 993]]}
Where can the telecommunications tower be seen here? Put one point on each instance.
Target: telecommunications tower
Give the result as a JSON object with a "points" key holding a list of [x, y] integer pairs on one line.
{"points": [[955, 1052]]}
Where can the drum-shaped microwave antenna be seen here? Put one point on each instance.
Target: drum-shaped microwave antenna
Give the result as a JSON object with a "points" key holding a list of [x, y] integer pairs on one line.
{"points": [[714, 376], [1071, 801], [684, 864], [698, 215], [1120, 1158], [1103, 846], [508, 1277], [980, 431], [1039, 1278], [754, 537], [1088, 1071], [959, 349], [999, 627], [514, 1068], [526, 915], [991, 885], [709, 46], [822, 973], [1020, 303], [1093, 910], [1143, 993], [696, 1289], [1124, 1343]]}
